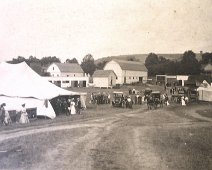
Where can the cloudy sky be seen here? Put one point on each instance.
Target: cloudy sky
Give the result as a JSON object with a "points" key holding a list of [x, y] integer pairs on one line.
{"points": [[73, 28]]}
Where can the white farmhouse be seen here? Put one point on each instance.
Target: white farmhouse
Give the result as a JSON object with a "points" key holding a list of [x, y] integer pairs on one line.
{"points": [[104, 78], [67, 75], [65, 70], [127, 71]]}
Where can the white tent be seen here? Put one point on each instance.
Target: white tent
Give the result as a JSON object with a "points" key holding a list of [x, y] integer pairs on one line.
{"points": [[205, 92], [22, 85]]}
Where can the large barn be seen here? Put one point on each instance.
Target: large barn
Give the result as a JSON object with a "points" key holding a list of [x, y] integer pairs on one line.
{"points": [[127, 72], [104, 78]]}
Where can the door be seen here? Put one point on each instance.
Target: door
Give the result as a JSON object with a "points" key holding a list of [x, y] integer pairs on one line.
{"points": [[124, 79], [140, 79]]}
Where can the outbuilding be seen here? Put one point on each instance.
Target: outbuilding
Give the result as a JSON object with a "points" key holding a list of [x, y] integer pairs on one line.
{"points": [[127, 72], [104, 78]]}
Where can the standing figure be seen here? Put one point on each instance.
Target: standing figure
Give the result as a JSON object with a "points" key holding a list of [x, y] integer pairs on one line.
{"points": [[24, 116], [108, 97], [72, 107], [78, 106], [2, 110], [183, 101], [5, 115]]}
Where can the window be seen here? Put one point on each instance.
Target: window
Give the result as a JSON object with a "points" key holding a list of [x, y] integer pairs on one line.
{"points": [[74, 75], [66, 81], [53, 68], [129, 77], [67, 75], [133, 77]]}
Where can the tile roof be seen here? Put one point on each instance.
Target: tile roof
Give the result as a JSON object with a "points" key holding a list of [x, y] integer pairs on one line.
{"points": [[103, 73], [69, 67], [131, 65]]}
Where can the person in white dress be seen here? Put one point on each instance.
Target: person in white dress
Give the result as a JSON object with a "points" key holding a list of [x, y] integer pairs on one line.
{"points": [[72, 107], [24, 116], [183, 101]]}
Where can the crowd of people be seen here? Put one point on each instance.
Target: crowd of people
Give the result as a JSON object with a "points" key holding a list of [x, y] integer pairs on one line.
{"points": [[5, 116], [69, 106]]}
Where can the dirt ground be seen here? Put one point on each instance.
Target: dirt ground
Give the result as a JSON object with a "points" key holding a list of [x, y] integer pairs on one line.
{"points": [[103, 137]]}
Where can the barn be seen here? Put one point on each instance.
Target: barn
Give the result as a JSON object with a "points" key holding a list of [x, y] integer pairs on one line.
{"points": [[104, 78], [127, 72]]}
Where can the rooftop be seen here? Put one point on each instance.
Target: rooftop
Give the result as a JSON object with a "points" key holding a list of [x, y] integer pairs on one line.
{"points": [[69, 67], [131, 65], [103, 73]]}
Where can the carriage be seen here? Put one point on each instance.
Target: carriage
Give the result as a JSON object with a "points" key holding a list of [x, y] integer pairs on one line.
{"points": [[118, 99], [154, 100]]}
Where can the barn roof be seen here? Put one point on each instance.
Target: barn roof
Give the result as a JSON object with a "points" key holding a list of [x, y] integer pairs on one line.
{"points": [[131, 65], [103, 73], [69, 67]]}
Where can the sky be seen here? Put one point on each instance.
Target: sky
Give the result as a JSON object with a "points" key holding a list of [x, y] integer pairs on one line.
{"points": [[74, 28]]}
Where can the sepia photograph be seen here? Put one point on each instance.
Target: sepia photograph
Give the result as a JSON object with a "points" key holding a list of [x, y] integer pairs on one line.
{"points": [[106, 85]]}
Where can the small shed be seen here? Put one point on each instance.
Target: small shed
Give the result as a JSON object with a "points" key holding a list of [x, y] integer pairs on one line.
{"points": [[104, 78]]}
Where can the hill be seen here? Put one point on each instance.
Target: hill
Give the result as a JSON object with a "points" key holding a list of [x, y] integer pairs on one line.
{"points": [[142, 57]]}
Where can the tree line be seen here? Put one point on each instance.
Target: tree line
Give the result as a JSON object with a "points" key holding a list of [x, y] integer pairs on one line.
{"points": [[155, 64], [188, 65]]}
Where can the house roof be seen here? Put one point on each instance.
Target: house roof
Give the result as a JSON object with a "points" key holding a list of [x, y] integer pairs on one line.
{"points": [[131, 65], [103, 73], [69, 67]]}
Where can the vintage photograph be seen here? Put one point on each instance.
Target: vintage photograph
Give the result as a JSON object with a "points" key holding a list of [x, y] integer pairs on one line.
{"points": [[106, 85]]}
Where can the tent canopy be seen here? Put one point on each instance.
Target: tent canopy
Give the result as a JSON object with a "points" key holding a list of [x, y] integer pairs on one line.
{"points": [[20, 84], [19, 80]]}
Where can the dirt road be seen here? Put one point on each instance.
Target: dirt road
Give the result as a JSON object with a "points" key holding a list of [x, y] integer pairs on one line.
{"points": [[176, 138]]}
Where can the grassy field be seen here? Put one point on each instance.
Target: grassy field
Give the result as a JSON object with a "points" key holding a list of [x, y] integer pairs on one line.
{"points": [[104, 137]]}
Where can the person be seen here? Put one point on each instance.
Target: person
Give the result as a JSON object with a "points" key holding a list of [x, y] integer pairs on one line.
{"points": [[69, 107], [139, 99], [183, 101], [78, 106], [24, 116], [5, 114], [108, 97], [72, 107], [186, 100], [129, 102], [166, 99], [2, 113]]}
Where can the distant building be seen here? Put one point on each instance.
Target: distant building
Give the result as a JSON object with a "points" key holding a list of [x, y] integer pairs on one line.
{"points": [[127, 72], [207, 69], [104, 78], [65, 70], [67, 75]]}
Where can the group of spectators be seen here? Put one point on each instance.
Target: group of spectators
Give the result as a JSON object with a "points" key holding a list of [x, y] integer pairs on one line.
{"points": [[5, 116], [100, 98], [69, 106]]}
